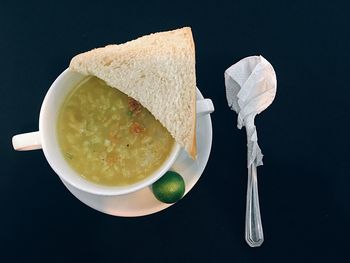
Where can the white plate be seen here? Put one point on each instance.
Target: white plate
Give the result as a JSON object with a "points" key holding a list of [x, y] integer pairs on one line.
{"points": [[143, 202]]}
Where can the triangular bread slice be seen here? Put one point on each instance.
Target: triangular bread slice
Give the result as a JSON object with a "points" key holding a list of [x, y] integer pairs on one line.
{"points": [[158, 70]]}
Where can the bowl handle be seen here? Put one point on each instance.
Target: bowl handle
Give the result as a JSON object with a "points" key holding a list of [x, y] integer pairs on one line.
{"points": [[204, 107], [27, 141]]}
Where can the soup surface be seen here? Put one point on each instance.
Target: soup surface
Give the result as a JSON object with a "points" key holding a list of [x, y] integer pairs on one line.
{"points": [[108, 137]]}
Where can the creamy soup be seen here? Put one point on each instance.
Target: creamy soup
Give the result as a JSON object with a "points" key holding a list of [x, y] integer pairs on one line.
{"points": [[108, 137]]}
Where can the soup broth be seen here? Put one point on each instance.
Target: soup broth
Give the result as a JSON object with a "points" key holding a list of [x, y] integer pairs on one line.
{"points": [[109, 138]]}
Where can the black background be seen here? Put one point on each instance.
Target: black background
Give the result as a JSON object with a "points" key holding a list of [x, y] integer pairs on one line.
{"points": [[303, 184]]}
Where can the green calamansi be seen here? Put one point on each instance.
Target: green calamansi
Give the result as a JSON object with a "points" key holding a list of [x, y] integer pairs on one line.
{"points": [[169, 188]]}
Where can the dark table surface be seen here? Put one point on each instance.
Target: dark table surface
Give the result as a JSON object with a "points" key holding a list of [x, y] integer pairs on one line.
{"points": [[304, 183]]}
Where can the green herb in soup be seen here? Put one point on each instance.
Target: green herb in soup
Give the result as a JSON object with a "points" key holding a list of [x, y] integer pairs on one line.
{"points": [[108, 137]]}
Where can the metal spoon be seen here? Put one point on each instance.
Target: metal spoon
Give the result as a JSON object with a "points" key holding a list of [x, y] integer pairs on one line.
{"points": [[250, 88]]}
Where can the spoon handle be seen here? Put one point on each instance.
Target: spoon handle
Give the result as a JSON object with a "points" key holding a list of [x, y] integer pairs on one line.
{"points": [[253, 228]]}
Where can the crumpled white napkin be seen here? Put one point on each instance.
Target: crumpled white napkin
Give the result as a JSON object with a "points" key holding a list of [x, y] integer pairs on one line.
{"points": [[251, 86]]}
